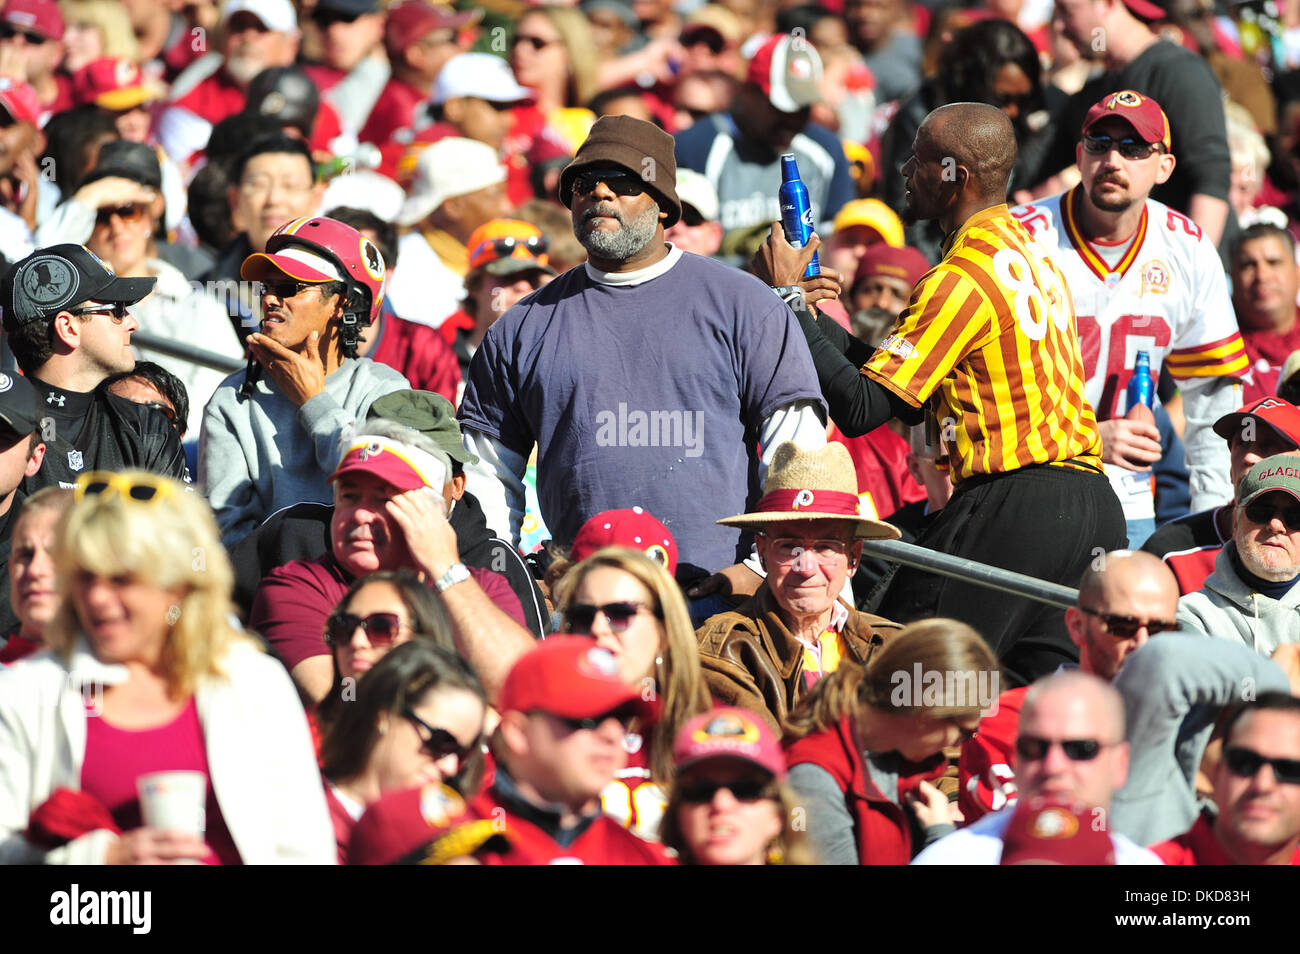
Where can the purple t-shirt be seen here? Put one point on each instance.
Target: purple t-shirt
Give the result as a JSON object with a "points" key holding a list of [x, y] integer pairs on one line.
{"points": [[648, 395]]}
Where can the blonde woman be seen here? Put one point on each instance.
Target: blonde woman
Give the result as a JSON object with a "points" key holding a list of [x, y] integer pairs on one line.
{"points": [[145, 673], [633, 608], [95, 29], [551, 53], [865, 744]]}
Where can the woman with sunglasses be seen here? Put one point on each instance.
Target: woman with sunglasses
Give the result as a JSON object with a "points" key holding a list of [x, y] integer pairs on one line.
{"points": [[634, 609], [147, 674], [867, 742], [417, 719], [729, 804]]}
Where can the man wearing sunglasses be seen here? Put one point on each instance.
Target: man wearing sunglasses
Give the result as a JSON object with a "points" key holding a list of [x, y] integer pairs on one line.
{"points": [[32, 30], [1143, 277], [1070, 745], [1252, 597], [66, 322], [352, 70], [1256, 791]]}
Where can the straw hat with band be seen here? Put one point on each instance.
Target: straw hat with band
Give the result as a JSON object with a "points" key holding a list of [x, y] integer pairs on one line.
{"points": [[812, 485]]}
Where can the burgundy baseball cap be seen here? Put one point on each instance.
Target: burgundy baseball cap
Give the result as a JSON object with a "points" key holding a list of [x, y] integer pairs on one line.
{"points": [[113, 82], [1056, 832], [570, 677], [634, 529], [1141, 112], [728, 732], [403, 466], [881, 259], [1146, 10], [20, 101], [400, 823], [788, 71], [39, 16], [1282, 416], [408, 22]]}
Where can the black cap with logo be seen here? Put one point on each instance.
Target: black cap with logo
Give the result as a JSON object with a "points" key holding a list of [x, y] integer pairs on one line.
{"points": [[17, 408], [61, 277]]}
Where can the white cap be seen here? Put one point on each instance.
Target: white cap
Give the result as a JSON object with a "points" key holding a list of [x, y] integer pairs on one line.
{"points": [[697, 191], [481, 75], [450, 167], [277, 15]]}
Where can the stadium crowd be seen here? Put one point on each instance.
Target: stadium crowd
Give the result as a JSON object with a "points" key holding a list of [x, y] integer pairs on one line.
{"points": [[420, 442]]}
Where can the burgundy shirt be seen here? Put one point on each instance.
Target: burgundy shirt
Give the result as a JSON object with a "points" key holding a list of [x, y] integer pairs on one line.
{"points": [[1267, 351], [423, 356]]}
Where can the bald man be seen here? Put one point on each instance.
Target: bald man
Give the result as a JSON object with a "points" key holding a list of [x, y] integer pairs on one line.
{"points": [[1125, 598], [1070, 746], [988, 353]]}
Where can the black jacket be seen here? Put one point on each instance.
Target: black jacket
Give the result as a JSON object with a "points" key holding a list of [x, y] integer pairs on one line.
{"points": [[302, 532]]}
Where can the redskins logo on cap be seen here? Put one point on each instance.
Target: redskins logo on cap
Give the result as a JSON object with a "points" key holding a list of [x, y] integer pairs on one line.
{"points": [[374, 262], [6, 383], [657, 553], [1125, 98], [1054, 823], [601, 662], [125, 73], [373, 449], [803, 498], [439, 805], [728, 725], [48, 281]]}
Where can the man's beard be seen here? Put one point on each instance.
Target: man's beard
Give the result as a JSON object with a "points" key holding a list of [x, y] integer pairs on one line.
{"points": [[630, 239], [1108, 205], [243, 67]]}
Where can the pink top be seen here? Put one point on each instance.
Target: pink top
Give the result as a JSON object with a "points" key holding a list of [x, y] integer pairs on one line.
{"points": [[115, 758]]}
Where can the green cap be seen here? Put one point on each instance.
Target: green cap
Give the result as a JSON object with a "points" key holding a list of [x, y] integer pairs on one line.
{"points": [[1280, 472], [430, 414]]}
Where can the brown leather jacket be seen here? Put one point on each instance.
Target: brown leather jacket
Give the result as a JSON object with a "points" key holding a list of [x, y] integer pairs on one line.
{"points": [[751, 660]]}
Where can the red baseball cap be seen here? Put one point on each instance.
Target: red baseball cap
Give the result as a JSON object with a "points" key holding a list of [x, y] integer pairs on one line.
{"points": [[570, 677], [39, 16], [1282, 416], [408, 22], [1141, 112], [20, 101], [1056, 832], [113, 82], [728, 732], [788, 71], [634, 529], [403, 466], [401, 823], [1146, 10], [881, 259]]}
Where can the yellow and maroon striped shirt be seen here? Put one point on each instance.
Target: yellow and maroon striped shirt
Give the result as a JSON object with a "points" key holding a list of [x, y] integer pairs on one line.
{"points": [[991, 328]]}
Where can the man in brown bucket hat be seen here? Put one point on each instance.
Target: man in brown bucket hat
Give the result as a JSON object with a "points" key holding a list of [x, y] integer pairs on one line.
{"points": [[767, 652]]}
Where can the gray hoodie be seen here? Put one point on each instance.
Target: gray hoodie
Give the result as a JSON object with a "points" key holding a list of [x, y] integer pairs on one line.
{"points": [[1226, 608]]}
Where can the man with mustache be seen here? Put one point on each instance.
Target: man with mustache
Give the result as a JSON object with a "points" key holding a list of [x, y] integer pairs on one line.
{"points": [[649, 376], [1143, 277]]}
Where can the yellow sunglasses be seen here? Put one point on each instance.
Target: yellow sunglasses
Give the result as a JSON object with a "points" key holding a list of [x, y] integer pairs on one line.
{"points": [[137, 488]]}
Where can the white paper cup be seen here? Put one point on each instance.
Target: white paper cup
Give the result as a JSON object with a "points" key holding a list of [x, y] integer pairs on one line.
{"points": [[174, 800]]}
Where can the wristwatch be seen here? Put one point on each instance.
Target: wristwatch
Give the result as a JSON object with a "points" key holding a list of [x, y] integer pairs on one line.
{"points": [[456, 573], [792, 295]]}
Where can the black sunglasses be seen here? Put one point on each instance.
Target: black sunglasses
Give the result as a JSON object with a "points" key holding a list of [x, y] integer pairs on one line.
{"points": [[536, 42], [1246, 763], [1262, 512], [115, 310], [381, 628], [706, 35], [1128, 147], [703, 791], [32, 39], [1032, 748], [439, 743], [1126, 627], [618, 181], [580, 617], [286, 288], [624, 715]]}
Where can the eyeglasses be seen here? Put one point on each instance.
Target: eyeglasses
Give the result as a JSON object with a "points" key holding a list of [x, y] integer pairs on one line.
{"points": [[624, 716], [1262, 512], [287, 288], [536, 42], [1033, 749], [31, 39], [1128, 147], [618, 181], [129, 214], [380, 628], [580, 617], [505, 247], [1246, 763], [785, 550], [704, 791], [1126, 627], [138, 488], [115, 310], [439, 743]]}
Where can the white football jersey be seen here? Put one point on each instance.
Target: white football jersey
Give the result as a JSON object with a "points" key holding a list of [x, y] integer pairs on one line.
{"points": [[1166, 295]]}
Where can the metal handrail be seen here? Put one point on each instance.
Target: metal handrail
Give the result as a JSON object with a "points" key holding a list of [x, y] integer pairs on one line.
{"points": [[1008, 581], [175, 349]]}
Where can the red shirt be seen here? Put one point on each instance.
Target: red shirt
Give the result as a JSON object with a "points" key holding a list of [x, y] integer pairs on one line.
{"points": [[985, 775], [16, 649], [341, 819], [421, 353], [1267, 351], [1199, 847], [395, 109], [115, 758], [883, 478]]}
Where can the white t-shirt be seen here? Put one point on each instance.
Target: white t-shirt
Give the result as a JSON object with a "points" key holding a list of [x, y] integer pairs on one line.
{"points": [[981, 844]]}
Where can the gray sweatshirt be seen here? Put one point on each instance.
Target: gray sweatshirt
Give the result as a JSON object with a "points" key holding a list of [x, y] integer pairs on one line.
{"points": [[260, 454], [1226, 608], [1174, 688]]}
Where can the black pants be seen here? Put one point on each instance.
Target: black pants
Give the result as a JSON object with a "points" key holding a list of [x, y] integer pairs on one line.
{"points": [[1045, 522]]}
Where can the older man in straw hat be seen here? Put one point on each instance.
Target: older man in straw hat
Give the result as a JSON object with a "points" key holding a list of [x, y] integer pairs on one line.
{"points": [[765, 654]]}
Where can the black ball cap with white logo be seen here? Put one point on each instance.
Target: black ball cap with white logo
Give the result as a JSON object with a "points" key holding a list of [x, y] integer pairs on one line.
{"points": [[17, 407], [61, 277]]}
